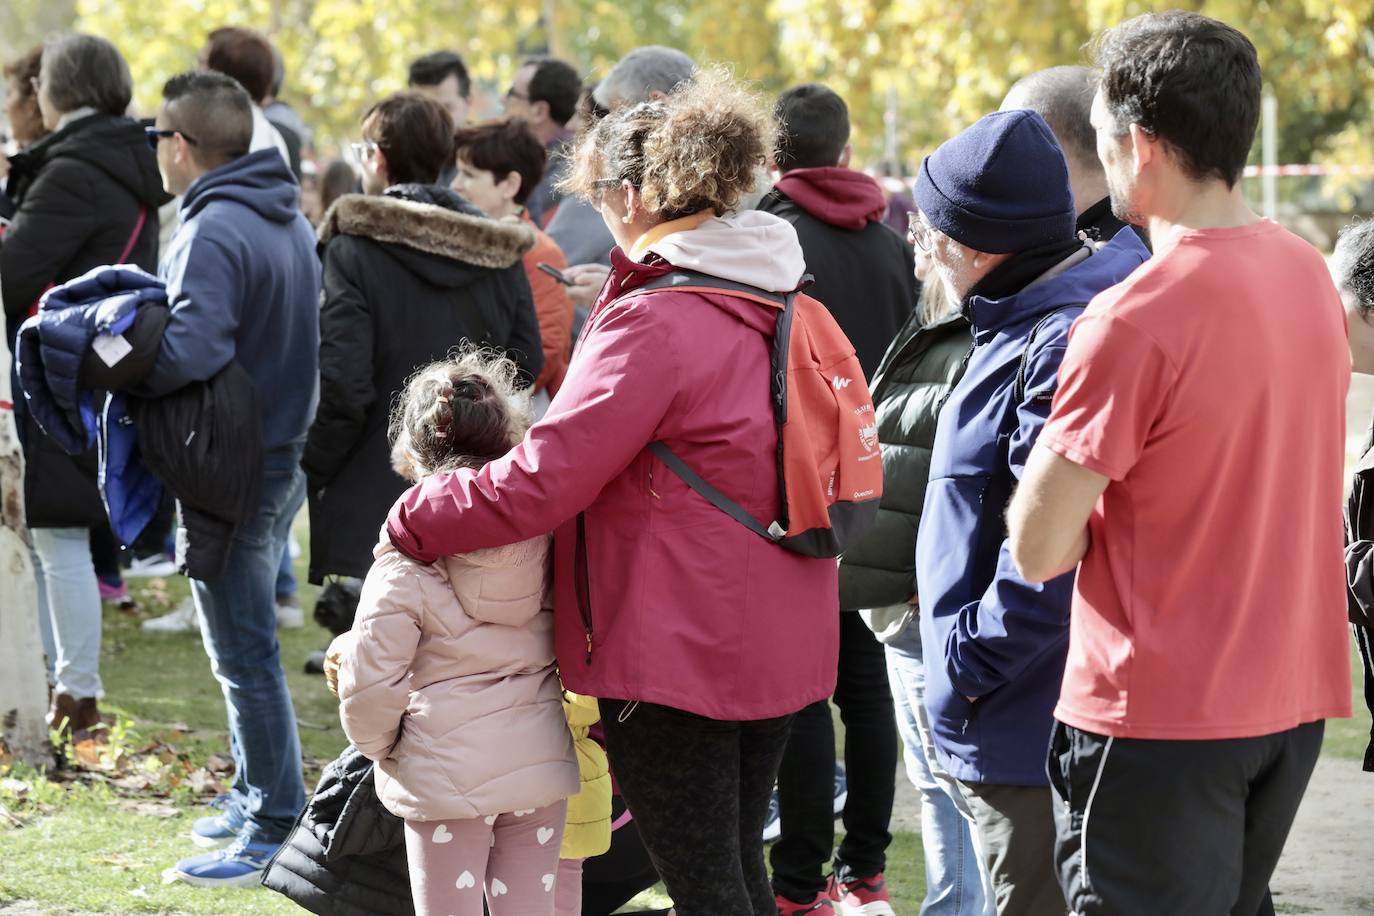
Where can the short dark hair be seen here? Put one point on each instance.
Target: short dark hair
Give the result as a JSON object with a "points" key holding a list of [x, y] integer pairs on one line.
{"points": [[213, 109], [24, 70], [502, 147], [1353, 264], [1192, 81], [1063, 96], [415, 133], [813, 127], [86, 71], [556, 82], [246, 56], [437, 66]]}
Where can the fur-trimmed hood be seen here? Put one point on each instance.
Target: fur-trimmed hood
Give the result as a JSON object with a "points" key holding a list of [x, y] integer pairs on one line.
{"points": [[439, 228]]}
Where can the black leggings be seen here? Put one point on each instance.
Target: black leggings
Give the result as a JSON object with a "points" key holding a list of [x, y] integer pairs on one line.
{"points": [[698, 789], [623, 872]]}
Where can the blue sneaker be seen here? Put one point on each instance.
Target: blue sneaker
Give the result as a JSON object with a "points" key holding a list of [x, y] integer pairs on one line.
{"points": [[240, 864], [217, 830]]}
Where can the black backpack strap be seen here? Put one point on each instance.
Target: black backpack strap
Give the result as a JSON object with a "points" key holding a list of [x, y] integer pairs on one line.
{"points": [[679, 278], [782, 337], [1019, 391], [712, 495]]}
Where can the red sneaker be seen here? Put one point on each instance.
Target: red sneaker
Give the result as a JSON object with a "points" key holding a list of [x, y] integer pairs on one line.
{"points": [[820, 905], [861, 896]]}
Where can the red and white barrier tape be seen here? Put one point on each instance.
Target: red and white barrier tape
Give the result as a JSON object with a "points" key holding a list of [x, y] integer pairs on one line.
{"points": [[1307, 171]]}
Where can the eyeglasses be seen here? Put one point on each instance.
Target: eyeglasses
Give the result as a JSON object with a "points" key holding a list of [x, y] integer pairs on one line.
{"points": [[919, 231], [154, 136], [364, 151], [513, 93]]}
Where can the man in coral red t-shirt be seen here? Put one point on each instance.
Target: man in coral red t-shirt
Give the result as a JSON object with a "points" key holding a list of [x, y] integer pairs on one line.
{"points": [[1192, 462]]}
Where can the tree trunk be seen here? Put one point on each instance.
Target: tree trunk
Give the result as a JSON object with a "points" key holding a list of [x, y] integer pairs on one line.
{"points": [[23, 681]]}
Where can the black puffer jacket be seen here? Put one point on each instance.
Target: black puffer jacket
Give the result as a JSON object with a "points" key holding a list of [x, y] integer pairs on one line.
{"points": [[923, 364], [863, 271], [407, 277], [78, 194], [346, 856]]}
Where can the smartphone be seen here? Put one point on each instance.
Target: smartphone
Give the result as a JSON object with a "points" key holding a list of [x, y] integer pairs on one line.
{"points": [[555, 273]]}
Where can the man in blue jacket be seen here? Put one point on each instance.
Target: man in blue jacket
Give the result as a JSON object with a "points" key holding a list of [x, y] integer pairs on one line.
{"points": [[996, 214], [243, 283]]}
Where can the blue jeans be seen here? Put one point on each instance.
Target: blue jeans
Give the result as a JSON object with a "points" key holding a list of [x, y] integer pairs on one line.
{"points": [[238, 625], [955, 882], [68, 609], [286, 578]]}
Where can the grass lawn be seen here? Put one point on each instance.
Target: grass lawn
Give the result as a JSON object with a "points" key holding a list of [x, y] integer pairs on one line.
{"points": [[99, 843]]}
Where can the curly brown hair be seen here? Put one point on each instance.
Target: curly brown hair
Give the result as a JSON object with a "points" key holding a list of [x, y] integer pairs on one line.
{"points": [[699, 149], [459, 412]]}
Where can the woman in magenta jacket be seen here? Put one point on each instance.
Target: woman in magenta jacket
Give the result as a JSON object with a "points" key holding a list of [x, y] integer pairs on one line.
{"points": [[700, 638]]}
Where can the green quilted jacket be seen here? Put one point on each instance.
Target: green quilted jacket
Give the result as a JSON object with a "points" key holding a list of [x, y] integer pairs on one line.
{"points": [[918, 370]]}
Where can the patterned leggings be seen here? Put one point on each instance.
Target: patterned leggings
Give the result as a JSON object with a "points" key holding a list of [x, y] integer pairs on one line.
{"points": [[511, 860]]}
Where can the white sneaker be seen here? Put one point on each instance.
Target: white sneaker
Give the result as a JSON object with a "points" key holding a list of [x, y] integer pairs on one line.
{"points": [[159, 565], [290, 615], [180, 620]]}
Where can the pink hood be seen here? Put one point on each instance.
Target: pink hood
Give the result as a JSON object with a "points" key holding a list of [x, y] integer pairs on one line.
{"points": [[659, 596], [449, 661]]}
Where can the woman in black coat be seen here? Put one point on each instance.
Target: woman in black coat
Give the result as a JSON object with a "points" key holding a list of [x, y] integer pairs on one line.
{"points": [[86, 195], [411, 271]]}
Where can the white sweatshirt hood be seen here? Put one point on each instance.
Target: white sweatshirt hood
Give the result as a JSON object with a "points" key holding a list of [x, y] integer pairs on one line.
{"points": [[751, 247]]}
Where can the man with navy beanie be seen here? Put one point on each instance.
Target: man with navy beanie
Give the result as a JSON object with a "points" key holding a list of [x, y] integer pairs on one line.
{"points": [[996, 215]]}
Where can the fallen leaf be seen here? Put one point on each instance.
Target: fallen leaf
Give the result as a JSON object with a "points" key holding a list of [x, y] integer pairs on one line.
{"points": [[87, 753], [16, 787], [149, 809], [218, 763], [135, 782], [138, 892], [115, 860], [202, 782]]}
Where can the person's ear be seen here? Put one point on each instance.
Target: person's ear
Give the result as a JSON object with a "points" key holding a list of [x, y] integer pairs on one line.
{"points": [[634, 203], [183, 150], [510, 185], [1144, 147], [846, 156], [379, 164], [540, 111]]}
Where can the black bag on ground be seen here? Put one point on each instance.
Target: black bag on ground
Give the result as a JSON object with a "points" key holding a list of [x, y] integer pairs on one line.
{"points": [[346, 856]]}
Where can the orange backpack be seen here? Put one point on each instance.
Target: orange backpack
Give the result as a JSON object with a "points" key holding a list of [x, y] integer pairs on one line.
{"points": [[830, 471]]}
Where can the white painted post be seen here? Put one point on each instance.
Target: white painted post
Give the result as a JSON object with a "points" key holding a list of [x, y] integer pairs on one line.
{"points": [[1270, 154], [23, 681]]}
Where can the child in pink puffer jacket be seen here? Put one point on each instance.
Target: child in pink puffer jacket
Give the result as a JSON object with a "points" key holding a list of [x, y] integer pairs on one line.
{"points": [[447, 679]]}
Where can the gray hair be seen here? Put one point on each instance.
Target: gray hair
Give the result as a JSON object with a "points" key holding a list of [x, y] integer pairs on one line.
{"points": [[641, 73], [1063, 96], [1352, 264], [85, 71]]}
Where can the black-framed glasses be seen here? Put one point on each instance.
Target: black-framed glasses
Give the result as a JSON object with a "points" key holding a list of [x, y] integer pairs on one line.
{"points": [[918, 231], [513, 93], [155, 135]]}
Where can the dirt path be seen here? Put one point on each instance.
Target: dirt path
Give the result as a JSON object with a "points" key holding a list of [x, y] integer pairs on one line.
{"points": [[1326, 865]]}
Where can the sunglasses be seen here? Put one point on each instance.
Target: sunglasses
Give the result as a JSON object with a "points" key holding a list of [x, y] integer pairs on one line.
{"points": [[155, 136]]}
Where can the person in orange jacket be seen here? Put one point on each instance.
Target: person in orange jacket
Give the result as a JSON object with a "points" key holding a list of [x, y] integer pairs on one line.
{"points": [[499, 164]]}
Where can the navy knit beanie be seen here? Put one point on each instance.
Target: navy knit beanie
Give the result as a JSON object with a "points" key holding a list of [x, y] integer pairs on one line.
{"points": [[1001, 186]]}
